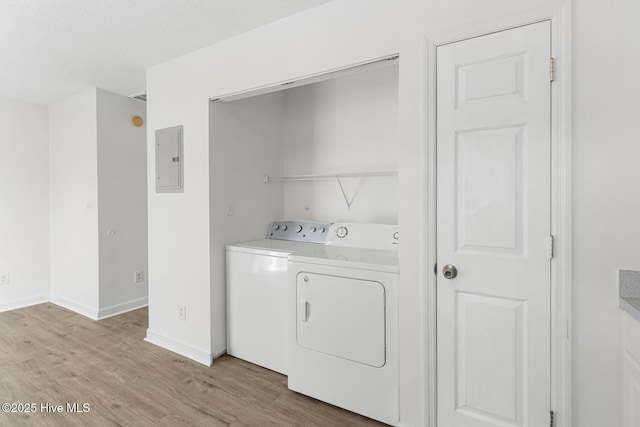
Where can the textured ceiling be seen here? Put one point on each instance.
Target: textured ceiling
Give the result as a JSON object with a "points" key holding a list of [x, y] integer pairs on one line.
{"points": [[51, 49]]}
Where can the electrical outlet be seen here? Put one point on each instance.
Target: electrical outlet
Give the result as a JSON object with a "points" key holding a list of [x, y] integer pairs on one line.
{"points": [[138, 276], [182, 312], [5, 279]]}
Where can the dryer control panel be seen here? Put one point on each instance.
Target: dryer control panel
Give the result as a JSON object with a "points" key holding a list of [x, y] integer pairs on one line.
{"points": [[365, 236], [299, 231]]}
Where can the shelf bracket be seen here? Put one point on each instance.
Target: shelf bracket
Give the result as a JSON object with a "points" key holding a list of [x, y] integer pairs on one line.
{"points": [[344, 193]]}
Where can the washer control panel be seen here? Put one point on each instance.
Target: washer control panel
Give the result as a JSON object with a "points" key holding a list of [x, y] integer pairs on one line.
{"points": [[299, 231], [365, 236]]}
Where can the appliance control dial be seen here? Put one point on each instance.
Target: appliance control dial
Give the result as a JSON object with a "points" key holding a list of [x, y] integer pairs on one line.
{"points": [[284, 228], [313, 229], [277, 227], [395, 236], [342, 232], [297, 228]]}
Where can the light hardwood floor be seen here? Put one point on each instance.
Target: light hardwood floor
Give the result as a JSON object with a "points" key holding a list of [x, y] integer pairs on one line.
{"points": [[52, 355]]}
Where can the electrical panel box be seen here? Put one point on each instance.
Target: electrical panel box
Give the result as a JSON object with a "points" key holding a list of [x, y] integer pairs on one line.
{"points": [[169, 162]]}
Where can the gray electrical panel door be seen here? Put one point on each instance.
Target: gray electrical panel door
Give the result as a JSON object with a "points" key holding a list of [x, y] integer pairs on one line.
{"points": [[169, 171]]}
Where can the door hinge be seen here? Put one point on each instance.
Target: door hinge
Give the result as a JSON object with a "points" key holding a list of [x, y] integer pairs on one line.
{"points": [[551, 247], [551, 419], [552, 66]]}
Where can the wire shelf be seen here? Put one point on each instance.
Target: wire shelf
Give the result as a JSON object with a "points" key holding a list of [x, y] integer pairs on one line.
{"points": [[268, 179]]}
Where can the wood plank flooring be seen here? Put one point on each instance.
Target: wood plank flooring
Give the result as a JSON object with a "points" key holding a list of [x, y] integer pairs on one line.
{"points": [[49, 355]]}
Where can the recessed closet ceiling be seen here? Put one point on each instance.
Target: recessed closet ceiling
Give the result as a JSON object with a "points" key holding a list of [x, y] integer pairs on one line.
{"points": [[53, 49]]}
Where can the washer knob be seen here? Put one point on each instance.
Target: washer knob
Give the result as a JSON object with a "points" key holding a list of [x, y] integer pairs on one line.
{"points": [[313, 229], [298, 228], [277, 227], [284, 228], [342, 232]]}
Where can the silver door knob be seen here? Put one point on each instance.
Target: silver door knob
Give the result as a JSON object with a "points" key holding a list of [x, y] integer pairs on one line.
{"points": [[449, 271]]}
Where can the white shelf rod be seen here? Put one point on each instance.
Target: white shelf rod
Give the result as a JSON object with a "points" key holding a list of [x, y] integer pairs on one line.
{"points": [[268, 179]]}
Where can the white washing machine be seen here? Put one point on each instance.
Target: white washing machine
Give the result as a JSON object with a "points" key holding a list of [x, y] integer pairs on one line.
{"points": [[343, 337], [257, 292]]}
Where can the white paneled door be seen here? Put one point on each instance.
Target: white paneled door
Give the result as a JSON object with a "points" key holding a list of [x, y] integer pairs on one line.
{"points": [[493, 229]]}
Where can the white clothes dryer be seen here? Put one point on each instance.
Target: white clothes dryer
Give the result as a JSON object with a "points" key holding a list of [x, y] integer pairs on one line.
{"points": [[343, 338], [257, 292]]}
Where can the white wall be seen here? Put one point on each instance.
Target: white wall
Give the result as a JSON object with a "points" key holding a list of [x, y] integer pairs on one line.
{"points": [[122, 193], [335, 35], [344, 125], [97, 184], [24, 201], [606, 179], [246, 144], [73, 186]]}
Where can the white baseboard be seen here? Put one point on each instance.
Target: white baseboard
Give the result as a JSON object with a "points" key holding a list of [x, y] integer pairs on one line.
{"points": [[178, 347], [124, 307], [75, 307], [215, 356], [23, 302]]}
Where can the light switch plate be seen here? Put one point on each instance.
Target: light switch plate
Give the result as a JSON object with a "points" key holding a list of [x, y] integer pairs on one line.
{"points": [[138, 276], [231, 209], [5, 279]]}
